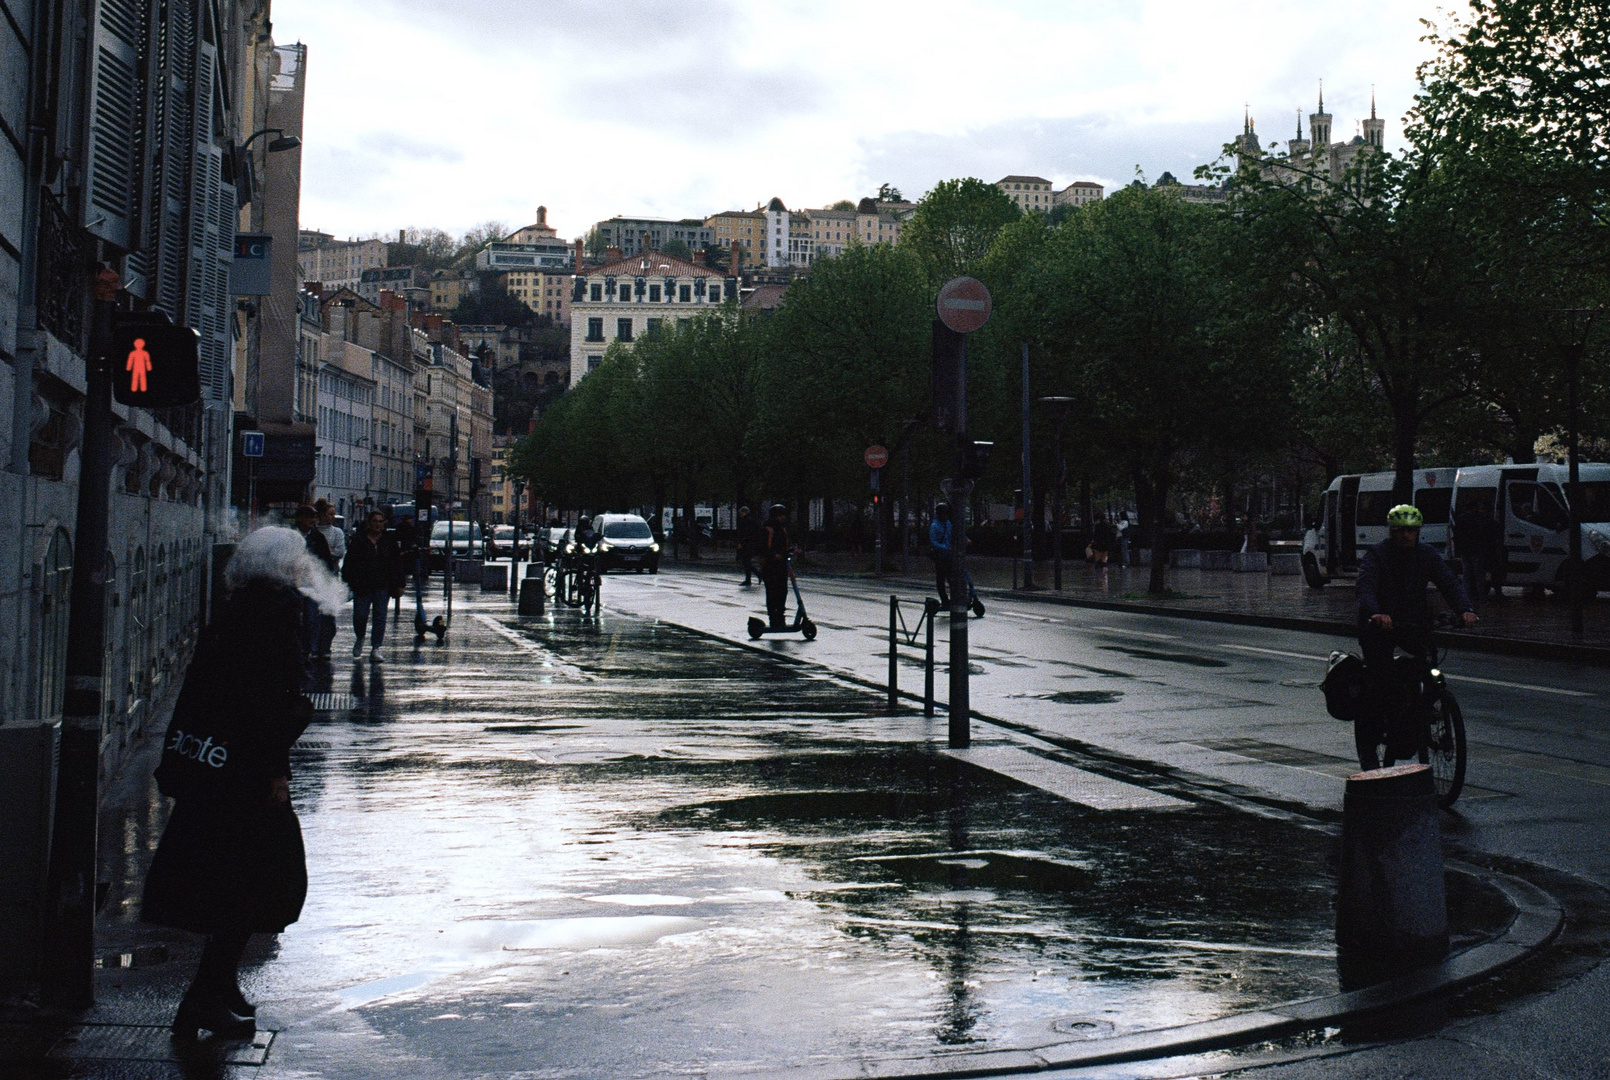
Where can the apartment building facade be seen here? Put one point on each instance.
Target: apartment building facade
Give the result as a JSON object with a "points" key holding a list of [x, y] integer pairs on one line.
{"points": [[1028, 192], [1079, 193], [337, 264], [626, 298]]}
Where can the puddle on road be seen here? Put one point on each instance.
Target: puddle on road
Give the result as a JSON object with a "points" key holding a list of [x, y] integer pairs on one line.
{"points": [[1190, 659], [703, 859]]}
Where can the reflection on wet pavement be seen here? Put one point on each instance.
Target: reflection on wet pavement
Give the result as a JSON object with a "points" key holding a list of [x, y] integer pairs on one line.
{"points": [[558, 848]]}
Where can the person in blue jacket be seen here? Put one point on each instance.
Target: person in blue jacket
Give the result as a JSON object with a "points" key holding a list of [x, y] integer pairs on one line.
{"points": [[1394, 613], [942, 546]]}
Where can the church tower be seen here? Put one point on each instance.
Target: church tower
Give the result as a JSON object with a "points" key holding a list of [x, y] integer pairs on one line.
{"points": [[1298, 147], [1319, 125], [1247, 151], [1374, 127]]}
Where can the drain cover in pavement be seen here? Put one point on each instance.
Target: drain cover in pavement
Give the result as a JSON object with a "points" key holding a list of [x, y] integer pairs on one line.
{"points": [[150, 1042], [333, 702]]}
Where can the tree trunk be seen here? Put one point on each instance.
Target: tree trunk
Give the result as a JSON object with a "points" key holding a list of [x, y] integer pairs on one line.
{"points": [[1406, 433], [1157, 582], [692, 521], [1524, 448]]}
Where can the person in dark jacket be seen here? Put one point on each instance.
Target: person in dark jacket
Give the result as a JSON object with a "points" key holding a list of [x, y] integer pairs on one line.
{"points": [[748, 544], [1393, 613], [374, 570], [1478, 540], [307, 523], [230, 862], [775, 549]]}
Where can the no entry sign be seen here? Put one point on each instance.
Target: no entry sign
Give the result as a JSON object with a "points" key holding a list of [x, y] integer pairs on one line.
{"points": [[876, 457], [964, 304]]}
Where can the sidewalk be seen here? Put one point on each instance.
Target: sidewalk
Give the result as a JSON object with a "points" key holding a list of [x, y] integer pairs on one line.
{"points": [[1518, 624], [615, 848]]}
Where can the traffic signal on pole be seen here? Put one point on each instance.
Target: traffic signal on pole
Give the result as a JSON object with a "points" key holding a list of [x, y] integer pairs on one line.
{"points": [[949, 352], [975, 458], [155, 364]]}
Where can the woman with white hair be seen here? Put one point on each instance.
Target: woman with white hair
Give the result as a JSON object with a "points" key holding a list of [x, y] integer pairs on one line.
{"points": [[230, 862]]}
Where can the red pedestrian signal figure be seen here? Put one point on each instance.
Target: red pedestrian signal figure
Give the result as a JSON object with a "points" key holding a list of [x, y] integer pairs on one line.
{"points": [[162, 362], [139, 363]]}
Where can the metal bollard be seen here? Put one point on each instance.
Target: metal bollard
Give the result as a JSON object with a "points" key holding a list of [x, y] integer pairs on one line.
{"points": [[894, 654], [930, 610], [1391, 907], [533, 598]]}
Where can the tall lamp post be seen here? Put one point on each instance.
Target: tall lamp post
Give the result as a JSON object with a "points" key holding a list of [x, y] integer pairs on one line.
{"points": [[1062, 403], [1570, 329]]}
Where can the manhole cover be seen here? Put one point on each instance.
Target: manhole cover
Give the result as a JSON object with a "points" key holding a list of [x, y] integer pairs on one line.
{"points": [[1083, 1027], [149, 1042]]}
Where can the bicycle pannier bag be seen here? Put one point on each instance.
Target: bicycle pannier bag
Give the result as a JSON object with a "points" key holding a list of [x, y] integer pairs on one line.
{"points": [[1344, 686]]}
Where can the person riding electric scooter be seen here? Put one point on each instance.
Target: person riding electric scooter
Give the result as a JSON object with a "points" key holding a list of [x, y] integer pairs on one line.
{"points": [[1393, 614], [942, 543]]}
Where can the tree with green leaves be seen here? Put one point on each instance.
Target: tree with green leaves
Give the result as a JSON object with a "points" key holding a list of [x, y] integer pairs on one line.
{"points": [[951, 230], [678, 248]]}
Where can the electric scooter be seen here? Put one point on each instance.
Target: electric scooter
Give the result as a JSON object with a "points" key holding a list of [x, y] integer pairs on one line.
{"points": [[759, 628]]}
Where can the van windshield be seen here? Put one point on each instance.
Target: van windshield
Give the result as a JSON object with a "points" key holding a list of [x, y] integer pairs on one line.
{"points": [[627, 530], [462, 530]]}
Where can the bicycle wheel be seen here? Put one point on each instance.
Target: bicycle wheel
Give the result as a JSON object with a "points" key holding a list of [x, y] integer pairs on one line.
{"points": [[1445, 749], [550, 582]]}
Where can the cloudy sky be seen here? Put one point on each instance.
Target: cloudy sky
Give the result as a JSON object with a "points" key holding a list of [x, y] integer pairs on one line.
{"points": [[448, 113]]}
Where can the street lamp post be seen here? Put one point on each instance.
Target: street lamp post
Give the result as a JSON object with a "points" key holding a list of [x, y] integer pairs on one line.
{"points": [[1062, 404], [1028, 484]]}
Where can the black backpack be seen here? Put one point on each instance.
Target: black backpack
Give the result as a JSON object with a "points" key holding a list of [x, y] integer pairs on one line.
{"points": [[1344, 686]]}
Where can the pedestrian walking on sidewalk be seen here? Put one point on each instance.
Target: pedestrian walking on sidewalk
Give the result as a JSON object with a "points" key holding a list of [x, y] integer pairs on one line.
{"points": [[230, 862], [338, 550], [411, 555], [775, 550], [374, 570], [942, 546], [748, 543]]}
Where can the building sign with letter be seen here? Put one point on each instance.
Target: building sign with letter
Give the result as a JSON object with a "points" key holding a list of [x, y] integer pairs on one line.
{"points": [[249, 273]]}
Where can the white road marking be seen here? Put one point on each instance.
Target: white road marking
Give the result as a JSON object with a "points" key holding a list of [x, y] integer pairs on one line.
{"points": [[1022, 615], [1135, 633], [530, 646], [1447, 674]]}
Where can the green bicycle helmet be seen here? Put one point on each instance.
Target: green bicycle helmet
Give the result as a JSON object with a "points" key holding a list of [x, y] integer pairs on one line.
{"points": [[1404, 516]]}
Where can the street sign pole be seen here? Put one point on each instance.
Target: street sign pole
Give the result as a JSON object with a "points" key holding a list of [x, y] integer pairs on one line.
{"points": [[964, 305], [1028, 484], [876, 457]]}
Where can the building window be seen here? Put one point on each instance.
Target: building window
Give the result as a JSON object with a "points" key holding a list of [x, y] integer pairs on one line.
{"points": [[594, 361], [684, 293], [595, 329], [654, 294], [626, 292], [653, 327], [597, 294], [623, 329]]}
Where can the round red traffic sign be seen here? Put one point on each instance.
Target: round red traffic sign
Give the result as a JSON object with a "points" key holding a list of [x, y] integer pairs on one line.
{"points": [[876, 457], [964, 304]]}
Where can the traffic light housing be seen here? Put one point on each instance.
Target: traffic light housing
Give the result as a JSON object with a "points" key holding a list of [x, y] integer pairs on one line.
{"points": [[975, 458], [155, 364]]}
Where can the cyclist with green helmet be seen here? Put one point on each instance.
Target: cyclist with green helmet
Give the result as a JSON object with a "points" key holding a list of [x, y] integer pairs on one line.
{"points": [[1393, 613]]}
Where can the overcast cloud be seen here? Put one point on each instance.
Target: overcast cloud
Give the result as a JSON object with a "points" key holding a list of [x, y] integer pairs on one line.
{"points": [[448, 113]]}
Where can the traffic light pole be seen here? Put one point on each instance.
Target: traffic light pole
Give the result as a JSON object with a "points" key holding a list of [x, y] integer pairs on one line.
{"points": [[69, 975], [957, 492]]}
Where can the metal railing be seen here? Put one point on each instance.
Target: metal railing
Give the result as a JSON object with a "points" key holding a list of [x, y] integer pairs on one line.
{"points": [[898, 630]]}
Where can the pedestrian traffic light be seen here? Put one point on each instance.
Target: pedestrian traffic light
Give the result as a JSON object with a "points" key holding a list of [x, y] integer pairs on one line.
{"points": [[155, 364]]}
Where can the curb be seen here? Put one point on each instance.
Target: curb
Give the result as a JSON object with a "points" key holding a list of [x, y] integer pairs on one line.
{"points": [[1538, 918]]}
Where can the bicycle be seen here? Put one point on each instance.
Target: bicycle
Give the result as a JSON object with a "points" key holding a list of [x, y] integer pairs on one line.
{"points": [[1431, 710], [581, 582]]}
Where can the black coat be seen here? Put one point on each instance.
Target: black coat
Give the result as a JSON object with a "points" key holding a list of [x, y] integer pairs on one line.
{"points": [[372, 566], [231, 857]]}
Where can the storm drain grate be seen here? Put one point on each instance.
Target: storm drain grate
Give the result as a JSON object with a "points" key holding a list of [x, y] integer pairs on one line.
{"points": [[333, 702], [1076, 785], [151, 1042]]}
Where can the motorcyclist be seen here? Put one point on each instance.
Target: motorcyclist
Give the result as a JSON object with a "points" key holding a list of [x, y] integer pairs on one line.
{"points": [[1393, 613]]}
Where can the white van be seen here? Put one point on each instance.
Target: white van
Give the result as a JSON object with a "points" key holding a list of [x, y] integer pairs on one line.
{"points": [[1531, 502], [1352, 517]]}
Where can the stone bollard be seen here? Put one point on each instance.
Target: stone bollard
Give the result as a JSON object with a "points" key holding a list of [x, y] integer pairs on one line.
{"points": [[535, 569], [1187, 558], [1216, 560], [1288, 563], [494, 578], [467, 571], [1391, 907], [533, 600], [1249, 562]]}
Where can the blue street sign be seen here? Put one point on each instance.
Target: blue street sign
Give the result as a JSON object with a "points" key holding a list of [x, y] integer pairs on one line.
{"points": [[251, 444]]}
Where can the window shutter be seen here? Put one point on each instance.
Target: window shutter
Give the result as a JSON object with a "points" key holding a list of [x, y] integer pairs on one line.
{"points": [[115, 115], [172, 137], [212, 236]]}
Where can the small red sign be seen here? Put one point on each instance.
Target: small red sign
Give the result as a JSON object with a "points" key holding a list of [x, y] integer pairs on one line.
{"points": [[964, 304], [876, 457]]}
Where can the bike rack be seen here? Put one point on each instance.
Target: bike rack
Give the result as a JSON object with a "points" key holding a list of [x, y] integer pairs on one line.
{"points": [[899, 629]]}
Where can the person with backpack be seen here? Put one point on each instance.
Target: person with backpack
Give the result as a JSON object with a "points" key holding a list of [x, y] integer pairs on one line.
{"points": [[941, 546]]}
